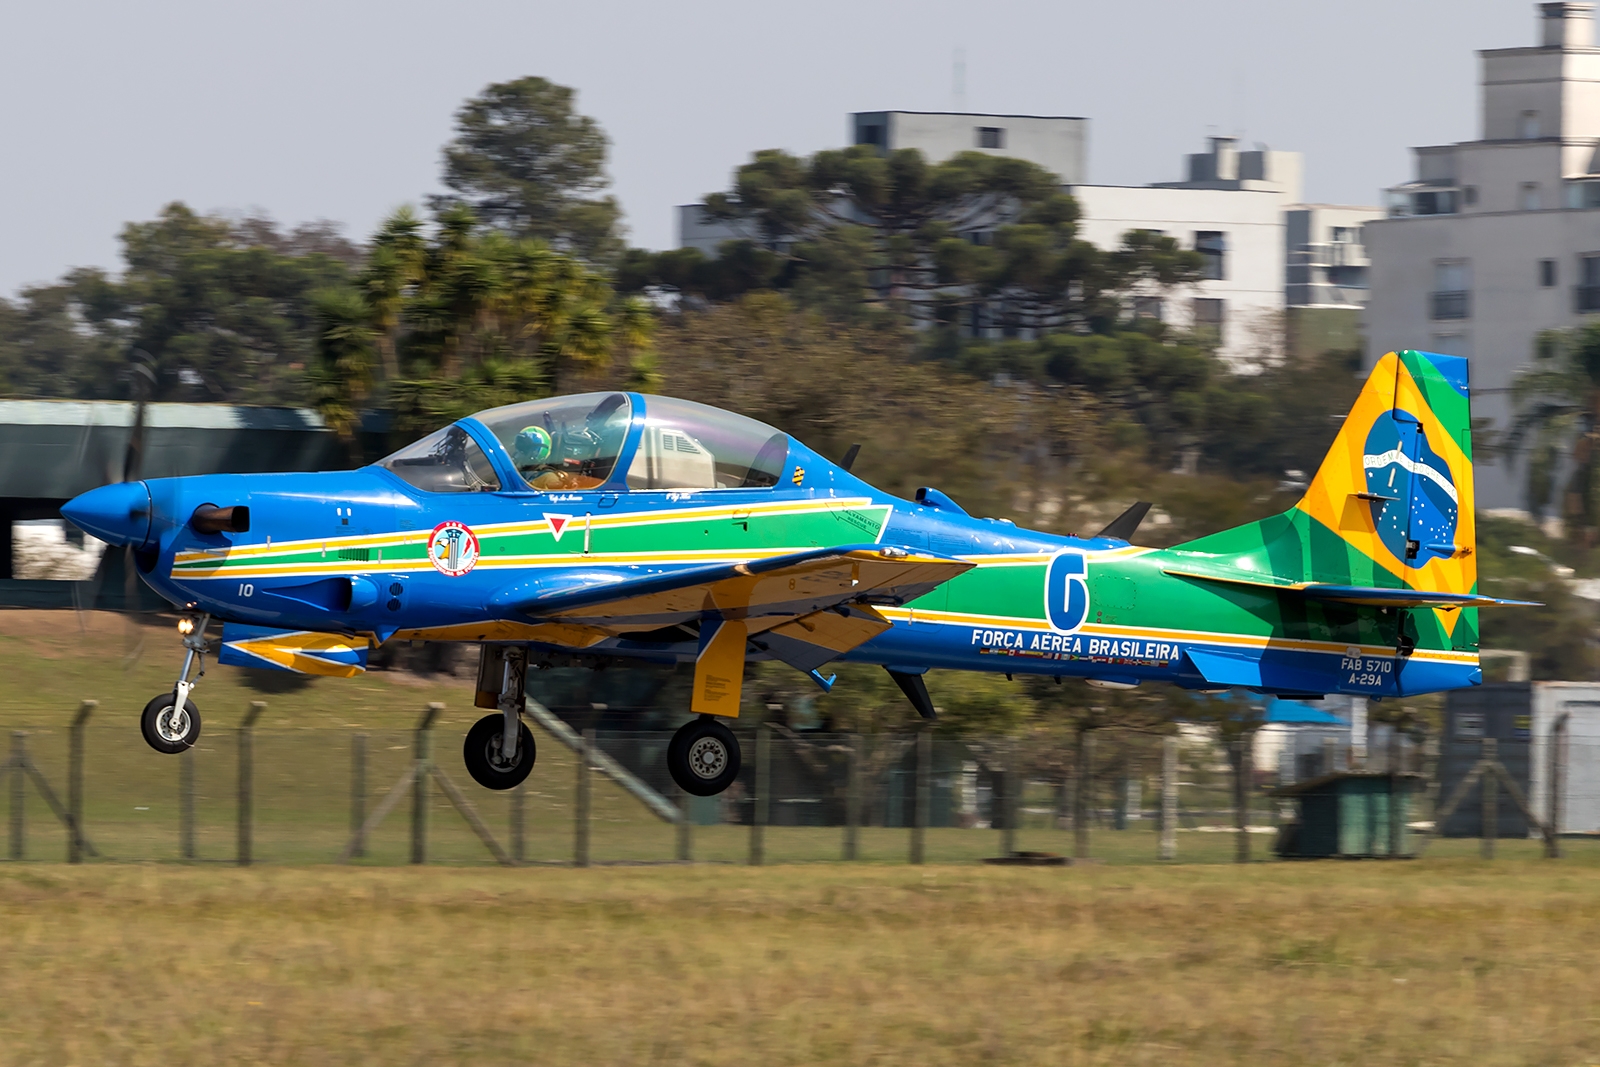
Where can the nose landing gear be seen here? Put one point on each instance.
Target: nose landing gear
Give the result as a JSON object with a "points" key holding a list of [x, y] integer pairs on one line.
{"points": [[171, 723], [499, 750]]}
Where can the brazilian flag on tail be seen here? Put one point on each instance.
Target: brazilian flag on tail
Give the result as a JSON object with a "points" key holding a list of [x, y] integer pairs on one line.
{"points": [[1388, 521]]}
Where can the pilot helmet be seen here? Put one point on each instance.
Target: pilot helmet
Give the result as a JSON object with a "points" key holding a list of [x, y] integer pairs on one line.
{"points": [[533, 445]]}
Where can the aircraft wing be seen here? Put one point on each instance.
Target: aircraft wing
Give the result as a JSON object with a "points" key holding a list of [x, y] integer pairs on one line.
{"points": [[763, 593]]}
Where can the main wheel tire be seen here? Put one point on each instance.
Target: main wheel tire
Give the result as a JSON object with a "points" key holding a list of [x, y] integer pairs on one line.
{"points": [[162, 732], [703, 757], [481, 750]]}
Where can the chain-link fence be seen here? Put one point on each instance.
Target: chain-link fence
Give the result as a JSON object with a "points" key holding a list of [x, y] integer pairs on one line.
{"points": [[396, 796]]}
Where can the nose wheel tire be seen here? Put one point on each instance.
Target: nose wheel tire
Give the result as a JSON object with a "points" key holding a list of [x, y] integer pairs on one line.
{"points": [[703, 757], [482, 753], [166, 732]]}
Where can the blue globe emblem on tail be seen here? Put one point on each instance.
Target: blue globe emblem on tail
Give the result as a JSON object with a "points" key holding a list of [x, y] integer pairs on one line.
{"points": [[1400, 465]]}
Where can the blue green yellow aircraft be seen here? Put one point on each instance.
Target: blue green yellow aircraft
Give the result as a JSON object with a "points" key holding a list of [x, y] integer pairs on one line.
{"points": [[620, 526]]}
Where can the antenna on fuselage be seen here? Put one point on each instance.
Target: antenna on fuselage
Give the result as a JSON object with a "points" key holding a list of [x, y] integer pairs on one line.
{"points": [[1123, 526], [850, 457]]}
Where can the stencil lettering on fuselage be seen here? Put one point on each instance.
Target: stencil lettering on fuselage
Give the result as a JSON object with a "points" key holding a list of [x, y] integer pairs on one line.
{"points": [[1066, 592]]}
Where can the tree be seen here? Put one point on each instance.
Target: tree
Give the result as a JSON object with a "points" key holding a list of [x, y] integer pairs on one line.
{"points": [[1557, 403], [526, 163], [974, 237], [468, 317]]}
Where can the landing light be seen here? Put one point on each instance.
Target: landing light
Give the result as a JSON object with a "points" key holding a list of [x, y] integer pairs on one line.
{"points": [[186, 626]]}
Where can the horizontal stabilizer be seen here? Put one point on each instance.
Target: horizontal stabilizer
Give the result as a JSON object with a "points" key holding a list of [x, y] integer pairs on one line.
{"points": [[1375, 596], [298, 651]]}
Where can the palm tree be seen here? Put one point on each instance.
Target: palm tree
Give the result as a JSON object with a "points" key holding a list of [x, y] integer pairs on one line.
{"points": [[1557, 401], [394, 269]]}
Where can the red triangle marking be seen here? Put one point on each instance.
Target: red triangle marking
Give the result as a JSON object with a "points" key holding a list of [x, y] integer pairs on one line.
{"points": [[558, 523]]}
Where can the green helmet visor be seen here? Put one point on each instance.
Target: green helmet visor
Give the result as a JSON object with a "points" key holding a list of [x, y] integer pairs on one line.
{"points": [[533, 445]]}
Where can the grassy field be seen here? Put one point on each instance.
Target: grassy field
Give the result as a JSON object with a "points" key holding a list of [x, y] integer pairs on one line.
{"points": [[1437, 961]]}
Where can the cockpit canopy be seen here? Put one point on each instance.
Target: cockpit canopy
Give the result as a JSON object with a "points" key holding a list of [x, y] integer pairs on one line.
{"points": [[570, 443]]}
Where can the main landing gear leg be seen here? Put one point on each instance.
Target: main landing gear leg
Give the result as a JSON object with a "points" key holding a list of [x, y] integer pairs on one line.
{"points": [[499, 750], [171, 722]]}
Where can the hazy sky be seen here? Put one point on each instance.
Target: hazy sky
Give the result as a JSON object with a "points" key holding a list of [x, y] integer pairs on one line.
{"points": [[337, 110]]}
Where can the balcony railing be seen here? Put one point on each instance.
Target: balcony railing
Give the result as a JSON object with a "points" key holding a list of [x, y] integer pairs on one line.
{"points": [[1451, 304], [1586, 298]]}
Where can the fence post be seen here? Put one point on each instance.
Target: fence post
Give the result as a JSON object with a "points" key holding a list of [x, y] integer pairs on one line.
{"points": [[685, 828], [919, 818], [580, 844], [75, 781], [358, 793], [186, 787], [247, 758], [1081, 799], [1243, 770], [422, 755], [1168, 848], [19, 797], [1557, 773], [758, 817], [1490, 812], [1395, 825], [519, 850], [1008, 803], [852, 801]]}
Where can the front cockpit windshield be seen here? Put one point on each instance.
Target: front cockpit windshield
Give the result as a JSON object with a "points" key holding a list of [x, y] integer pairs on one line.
{"points": [[564, 443], [445, 461]]}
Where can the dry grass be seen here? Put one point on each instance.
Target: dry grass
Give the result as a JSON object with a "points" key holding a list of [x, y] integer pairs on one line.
{"points": [[1439, 961]]}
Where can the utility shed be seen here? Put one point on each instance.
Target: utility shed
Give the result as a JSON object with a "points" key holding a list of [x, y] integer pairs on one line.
{"points": [[1537, 727], [1347, 814]]}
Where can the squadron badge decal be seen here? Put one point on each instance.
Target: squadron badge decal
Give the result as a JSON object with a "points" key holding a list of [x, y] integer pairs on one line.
{"points": [[453, 549]]}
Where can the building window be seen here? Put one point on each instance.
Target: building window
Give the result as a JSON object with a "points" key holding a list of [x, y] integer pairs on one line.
{"points": [[1547, 273], [1530, 196], [1452, 285], [1529, 126], [1147, 307], [1434, 202], [1583, 194], [1209, 317], [991, 137], [872, 135], [1212, 246], [1469, 194], [1586, 295]]}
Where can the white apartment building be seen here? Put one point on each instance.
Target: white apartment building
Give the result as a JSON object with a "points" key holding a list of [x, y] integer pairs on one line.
{"points": [[1241, 211], [1497, 239], [1059, 143], [1263, 249]]}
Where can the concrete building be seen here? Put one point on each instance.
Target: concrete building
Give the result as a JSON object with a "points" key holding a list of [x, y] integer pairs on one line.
{"points": [[1231, 209], [1496, 239], [1263, 250], [1058, 143]]}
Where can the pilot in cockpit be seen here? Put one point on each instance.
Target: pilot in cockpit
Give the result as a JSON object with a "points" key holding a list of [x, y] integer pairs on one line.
{"points": [[559, 461]]}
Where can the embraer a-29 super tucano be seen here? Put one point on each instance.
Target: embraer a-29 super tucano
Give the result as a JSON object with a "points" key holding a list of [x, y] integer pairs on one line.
{"points": [[613, 526]]}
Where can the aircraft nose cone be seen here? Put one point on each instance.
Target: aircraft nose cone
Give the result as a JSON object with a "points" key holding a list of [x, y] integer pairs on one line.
{"points": [[117, 514]]}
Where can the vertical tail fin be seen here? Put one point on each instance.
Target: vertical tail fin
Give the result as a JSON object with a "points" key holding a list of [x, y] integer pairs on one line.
{"points": [[1392, 504], [1396, 487]]}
